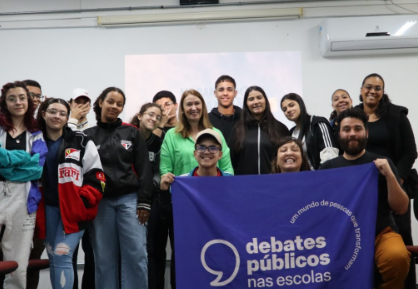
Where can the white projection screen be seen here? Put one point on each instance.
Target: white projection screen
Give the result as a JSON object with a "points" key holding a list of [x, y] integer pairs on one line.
{"points": [[278, 73]]}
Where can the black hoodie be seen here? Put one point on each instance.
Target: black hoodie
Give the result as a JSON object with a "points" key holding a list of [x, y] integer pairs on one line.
{"points": [[224, 123]]}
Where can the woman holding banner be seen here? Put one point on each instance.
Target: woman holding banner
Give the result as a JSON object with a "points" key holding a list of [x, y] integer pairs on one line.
{"points": [[313, 131], [254, 140], [290, 157]]}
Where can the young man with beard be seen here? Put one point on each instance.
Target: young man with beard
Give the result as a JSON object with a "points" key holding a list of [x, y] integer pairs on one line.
{"points": [[226, 114], [391, 257]]}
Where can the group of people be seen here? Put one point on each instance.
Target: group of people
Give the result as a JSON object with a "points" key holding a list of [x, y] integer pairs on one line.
{"points": [[109, 184]]}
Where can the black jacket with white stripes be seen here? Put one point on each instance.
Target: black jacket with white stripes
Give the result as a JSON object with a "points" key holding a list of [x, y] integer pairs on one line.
{"points": [[320, 136]]}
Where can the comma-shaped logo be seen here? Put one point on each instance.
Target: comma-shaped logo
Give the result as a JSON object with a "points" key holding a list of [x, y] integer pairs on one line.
{"points": [[219, 274]]}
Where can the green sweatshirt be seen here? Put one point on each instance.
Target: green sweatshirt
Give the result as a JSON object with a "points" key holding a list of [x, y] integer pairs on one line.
{"points": [[177, 154]]}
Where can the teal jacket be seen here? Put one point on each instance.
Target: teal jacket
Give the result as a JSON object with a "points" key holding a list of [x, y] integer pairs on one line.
{"points": [[177, 157], [25, 166]]}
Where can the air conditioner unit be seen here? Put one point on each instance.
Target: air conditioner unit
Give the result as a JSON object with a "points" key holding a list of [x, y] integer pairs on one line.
{"points": [[368, 35]]}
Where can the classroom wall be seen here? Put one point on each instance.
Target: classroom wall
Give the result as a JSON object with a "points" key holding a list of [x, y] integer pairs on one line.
{"points": [[92, 57], [62, 59]]}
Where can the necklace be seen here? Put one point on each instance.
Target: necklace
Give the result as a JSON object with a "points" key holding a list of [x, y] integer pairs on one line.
{"points": [[18, 138]]}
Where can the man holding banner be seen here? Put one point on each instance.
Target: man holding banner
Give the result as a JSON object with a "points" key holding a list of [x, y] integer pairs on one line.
{"points": [[208, 151], [391, 257]]}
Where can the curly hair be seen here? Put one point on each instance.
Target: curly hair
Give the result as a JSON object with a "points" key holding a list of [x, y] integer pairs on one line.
{"points": [[5, 117], [357, 113]]}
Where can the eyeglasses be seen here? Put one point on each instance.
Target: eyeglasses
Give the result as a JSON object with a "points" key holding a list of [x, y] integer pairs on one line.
{"points": [[212, 149], [35, 95], [152, 115], [370, 87], [167, 104], [54, 112], [15, 99]]}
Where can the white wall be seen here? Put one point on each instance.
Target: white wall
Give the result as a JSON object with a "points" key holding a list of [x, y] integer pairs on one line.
{"points": [[93, 58], [62, 59]]}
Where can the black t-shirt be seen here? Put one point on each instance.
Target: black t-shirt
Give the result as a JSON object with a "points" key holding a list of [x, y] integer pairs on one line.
{"points": [[17, 143], [165, 130], [154, 145], [380, 141], [384, 216]]}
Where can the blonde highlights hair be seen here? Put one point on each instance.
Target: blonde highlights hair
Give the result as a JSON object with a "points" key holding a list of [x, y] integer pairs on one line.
{"points": [[183, 127]]}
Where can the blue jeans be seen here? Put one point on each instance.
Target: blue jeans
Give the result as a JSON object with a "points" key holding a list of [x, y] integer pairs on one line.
{"points": [[60, 248], [118, 233]]}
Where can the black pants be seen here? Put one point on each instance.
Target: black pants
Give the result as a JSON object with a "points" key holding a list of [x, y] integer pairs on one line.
{"points": [[88, 281], [160, 227]]}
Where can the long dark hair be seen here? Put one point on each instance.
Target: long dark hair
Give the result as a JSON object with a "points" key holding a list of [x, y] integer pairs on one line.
{"points": [[96, 107], [305, 164], [135, 121], [44, 106], [304, 117], [6, 118], [268, 122], [334, 112], [384, 103]]}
